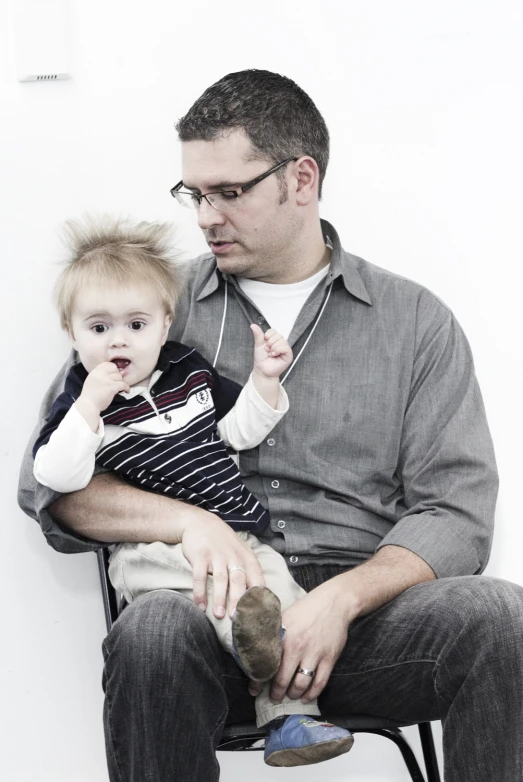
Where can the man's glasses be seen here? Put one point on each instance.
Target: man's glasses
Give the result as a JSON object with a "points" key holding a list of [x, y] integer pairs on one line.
{"points": [[222, 200]]}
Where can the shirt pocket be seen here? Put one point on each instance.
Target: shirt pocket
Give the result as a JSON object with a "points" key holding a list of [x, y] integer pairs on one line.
{"points": [[358, 428]]}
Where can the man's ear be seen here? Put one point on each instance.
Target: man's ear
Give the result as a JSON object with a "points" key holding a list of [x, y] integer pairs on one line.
{"points": [[166, 326], [307, 174]]}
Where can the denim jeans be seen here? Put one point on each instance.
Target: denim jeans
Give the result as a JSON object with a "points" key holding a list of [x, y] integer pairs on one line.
{"points": [[450, 649]]}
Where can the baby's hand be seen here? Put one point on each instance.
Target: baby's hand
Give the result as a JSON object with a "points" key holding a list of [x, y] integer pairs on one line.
{"points": [[101, 386], [272, 353]]}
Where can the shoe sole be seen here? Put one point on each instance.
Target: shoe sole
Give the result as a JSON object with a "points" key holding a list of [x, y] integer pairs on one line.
{"points": [[314, 753], [256, 633]]}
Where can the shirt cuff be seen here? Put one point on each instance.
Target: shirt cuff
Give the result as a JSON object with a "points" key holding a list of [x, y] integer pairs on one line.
{"points": [[437, 541]]}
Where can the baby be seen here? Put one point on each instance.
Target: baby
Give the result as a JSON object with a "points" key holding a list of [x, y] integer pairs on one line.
{"points": [[160, 416]]}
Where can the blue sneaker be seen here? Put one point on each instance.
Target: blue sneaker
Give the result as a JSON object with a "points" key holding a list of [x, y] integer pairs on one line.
{"points": [[301, 740], [257, 634]]}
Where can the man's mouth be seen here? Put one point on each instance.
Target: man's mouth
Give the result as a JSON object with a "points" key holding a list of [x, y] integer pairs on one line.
{"points": [[219, 247], [121, 363]]}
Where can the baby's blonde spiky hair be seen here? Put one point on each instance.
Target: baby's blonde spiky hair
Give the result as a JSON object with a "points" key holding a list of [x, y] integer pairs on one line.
{"points": [[107, 250]]}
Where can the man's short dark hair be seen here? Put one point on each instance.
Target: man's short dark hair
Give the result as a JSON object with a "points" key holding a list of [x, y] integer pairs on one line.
{"points": [[279, 118]]}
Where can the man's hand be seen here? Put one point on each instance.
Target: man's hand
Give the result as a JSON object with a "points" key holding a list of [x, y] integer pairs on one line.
{"points": [[212, 547], [317, 625], [100, 387], [316, 629]]}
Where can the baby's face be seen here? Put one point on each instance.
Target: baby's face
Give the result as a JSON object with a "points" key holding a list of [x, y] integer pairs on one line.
{"points": [[125, 325]]}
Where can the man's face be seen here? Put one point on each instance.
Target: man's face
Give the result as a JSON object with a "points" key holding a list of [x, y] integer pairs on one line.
{"points": [[251, 237]]}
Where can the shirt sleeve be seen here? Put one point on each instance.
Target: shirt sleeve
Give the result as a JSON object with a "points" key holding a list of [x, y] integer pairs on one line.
{"points": [[66, 462], [224, 391], [34, 498], [446, 462], [251, 418]]}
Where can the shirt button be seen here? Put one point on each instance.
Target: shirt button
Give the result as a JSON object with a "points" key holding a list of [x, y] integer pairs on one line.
{"points": [[271, 441], [275, 484], [281, 524], [293, 559], [261, 320]]}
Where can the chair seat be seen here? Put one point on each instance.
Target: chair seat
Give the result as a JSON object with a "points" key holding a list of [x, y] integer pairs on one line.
{"points": [[354, 722]]}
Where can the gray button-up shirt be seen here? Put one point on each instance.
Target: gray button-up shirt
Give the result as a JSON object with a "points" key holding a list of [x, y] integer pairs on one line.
{"points": [[385, 441]]}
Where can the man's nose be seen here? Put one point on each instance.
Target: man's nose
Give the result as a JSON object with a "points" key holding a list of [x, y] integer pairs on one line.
{"points": [[209, 216]]}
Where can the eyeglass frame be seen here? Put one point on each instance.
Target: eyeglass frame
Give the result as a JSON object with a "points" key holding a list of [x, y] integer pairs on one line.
{"points": [[233, 193]]}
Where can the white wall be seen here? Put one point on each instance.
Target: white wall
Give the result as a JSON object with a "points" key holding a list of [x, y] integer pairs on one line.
{"points": [[423, 101]]}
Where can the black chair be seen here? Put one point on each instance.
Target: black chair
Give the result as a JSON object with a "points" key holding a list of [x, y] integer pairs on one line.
{"points": [[247, 737]]}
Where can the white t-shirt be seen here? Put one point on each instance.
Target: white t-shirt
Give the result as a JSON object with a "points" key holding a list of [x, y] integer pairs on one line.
{"points": [[281, 304]]}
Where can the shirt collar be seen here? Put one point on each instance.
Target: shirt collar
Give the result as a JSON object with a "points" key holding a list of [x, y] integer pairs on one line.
{"points": [[171, 353], [342, 265]]}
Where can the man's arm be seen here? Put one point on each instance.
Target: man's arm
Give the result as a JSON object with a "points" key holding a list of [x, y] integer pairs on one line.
{"points": [[317, 625], [449, 478], [110, 510]]}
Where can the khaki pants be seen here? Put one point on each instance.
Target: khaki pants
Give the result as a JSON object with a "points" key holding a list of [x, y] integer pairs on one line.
{"points": [[137, 568]]}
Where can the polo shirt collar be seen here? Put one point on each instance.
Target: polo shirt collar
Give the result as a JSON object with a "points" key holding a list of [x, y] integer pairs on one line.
{"points": [[171, 353]]}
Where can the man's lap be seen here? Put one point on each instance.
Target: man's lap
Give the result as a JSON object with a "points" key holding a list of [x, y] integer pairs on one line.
{"points": [[398, 660]]}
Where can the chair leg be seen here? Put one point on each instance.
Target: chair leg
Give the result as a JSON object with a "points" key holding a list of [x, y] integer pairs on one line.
{"points": [[429, 752], [395, 735], [108, 594]]}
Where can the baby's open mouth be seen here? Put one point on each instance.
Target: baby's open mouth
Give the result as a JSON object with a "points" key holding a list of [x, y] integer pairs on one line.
{"points": [[121, 363]]}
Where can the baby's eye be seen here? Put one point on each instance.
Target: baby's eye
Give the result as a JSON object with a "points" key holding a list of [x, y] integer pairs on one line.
{"points": [[137, 325], [99, 328]]}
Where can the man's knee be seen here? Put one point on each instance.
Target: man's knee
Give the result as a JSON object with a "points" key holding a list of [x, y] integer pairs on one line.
{"points": [[157, 631], [489, 602], [485, 615]]}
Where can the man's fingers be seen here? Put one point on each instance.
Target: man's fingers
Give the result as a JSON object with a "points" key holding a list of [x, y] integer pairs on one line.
{"points": [[255, 688], [199, 577], [300, 682], [220, 583], [243, 577], [254, 573], [282, 680], [237, 586], [319, 682]]}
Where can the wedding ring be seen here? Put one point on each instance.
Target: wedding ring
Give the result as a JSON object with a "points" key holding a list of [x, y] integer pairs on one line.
{"points": [[306, 672], [235, 567]]}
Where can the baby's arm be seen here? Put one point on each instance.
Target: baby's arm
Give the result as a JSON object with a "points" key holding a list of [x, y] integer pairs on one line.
{"points": [[272, 356], [263, 401], [65, 459], [66, 462]]}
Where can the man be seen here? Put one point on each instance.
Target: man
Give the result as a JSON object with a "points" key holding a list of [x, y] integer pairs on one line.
{"points": [[380, 481]]}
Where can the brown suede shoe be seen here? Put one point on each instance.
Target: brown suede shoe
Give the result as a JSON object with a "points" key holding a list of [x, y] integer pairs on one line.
{"points": [[257, 633]]}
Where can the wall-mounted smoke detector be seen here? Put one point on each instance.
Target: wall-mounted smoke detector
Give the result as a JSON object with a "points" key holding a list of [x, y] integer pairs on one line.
{"points": [[42, 39]]}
